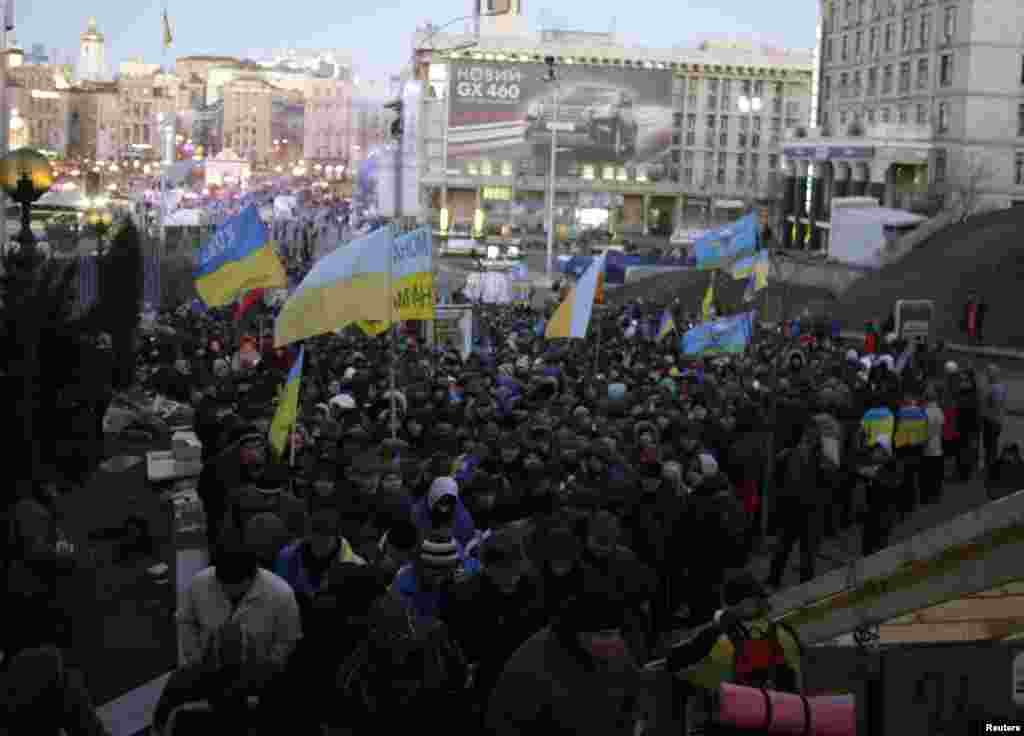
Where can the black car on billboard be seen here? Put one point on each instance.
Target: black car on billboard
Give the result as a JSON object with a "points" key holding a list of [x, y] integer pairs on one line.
{"points": [[602, 115]]}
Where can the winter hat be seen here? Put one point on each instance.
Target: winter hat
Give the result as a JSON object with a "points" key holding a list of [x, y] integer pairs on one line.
{"points": [[439, 553], [441, 487], [708, 465]]}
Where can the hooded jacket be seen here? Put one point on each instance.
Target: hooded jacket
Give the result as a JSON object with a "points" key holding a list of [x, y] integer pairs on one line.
{"points": [[464, 528]]}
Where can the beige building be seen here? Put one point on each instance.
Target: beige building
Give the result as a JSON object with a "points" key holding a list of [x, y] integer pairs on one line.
{"points": [[250, 122], [39, 110], [692, 130], [928, 96], [199, 66], [94, 127], [142, 99]]}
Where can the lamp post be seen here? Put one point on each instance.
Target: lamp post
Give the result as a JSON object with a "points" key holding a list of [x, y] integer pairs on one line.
{"points": [[552, 77], [100, 220], [25, 176]]}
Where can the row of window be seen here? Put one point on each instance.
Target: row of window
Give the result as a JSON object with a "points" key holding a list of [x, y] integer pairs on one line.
{"points": [[616, 172], [852, 84], [884, 115], [882, 39], [136, 134], [855, 12], [1018, 169]]}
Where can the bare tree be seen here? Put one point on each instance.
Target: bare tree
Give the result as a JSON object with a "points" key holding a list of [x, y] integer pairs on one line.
{"points": [[965, 185]]}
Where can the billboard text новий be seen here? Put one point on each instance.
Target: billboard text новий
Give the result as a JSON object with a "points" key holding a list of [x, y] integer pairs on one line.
{"points": [[605, 115]]}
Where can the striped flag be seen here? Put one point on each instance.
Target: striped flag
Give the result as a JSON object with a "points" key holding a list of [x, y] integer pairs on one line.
{"points": [[168, 35]]}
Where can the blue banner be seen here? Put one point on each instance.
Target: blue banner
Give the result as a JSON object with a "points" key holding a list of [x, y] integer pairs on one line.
{"points": [[722, 247], [726, 336]]}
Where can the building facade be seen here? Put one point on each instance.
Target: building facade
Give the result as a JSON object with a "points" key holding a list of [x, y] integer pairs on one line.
{"points": [[143, 99], [920, 103], [92, 55], [39, 110], [94, 131], [650, 137], [259, 121], [328, 121]]}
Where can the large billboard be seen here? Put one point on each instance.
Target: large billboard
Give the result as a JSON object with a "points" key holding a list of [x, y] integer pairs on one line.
{"points": [[605, 114]]}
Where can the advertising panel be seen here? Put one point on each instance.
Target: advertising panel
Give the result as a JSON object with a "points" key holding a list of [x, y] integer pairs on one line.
{"points": [[603, 114]]}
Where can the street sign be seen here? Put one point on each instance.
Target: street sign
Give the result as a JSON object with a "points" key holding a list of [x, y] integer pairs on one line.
{"points": [[561, 127]]}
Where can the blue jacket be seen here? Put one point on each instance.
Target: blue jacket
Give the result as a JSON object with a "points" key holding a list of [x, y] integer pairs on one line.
{"points": [[464, 529], [426, 604], [289, 566]]}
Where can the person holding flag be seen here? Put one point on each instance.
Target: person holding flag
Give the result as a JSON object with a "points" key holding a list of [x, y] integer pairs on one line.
{"points": [[287, 409], [240, 257]]}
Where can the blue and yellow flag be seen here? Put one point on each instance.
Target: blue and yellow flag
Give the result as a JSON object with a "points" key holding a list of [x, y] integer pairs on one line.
{"points": [[666, 325], [708, 307], [911, 427], [239, 257], [878, 425], [373, 327], [727, 336], [287, 409], [572, 317]]}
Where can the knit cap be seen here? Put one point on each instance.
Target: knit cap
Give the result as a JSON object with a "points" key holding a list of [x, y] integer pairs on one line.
{"points": [[439, 553], [441, 487]]}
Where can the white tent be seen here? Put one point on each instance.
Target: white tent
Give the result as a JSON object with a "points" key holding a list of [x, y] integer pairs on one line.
{"points": [[858, 234], [74, 199]]}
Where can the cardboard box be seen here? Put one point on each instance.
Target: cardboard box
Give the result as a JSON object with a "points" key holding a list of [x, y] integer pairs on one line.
{"points": [[186, 447]]}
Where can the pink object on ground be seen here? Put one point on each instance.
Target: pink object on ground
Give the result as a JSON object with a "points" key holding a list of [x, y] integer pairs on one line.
{"points": [[783, 713]]}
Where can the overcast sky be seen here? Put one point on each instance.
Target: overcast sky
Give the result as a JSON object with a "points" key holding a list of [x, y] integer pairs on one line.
{"points": [[377, 34]]}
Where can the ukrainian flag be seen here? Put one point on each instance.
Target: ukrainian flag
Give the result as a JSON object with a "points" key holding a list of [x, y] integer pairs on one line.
{"points": [[348, 285], [707, 307], [287, 409], [724, 246], [753, 265], [911, 427], [240, 257], [878, 425], [572, 318], [666, 325]]}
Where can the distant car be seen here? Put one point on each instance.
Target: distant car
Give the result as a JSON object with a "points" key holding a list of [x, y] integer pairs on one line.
{"points": [[603, 114]]}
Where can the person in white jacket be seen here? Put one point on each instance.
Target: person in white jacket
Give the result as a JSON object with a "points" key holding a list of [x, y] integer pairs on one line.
{"points": [[237, 626]]}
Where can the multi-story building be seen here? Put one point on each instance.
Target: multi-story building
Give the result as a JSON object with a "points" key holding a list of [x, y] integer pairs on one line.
{"points": [[143, 99], [94, 129], [646, 136], [368, 120], [256, 111], [918, 99], [39, 109], [199, 66], [327, 124]]}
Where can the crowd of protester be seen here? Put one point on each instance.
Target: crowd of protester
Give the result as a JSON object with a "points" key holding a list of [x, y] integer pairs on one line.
{"points": [[500, 542]]}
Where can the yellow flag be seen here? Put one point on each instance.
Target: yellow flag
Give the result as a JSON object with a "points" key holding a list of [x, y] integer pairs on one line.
{"points": [[373, 327], [708, 307], [168, 36]]}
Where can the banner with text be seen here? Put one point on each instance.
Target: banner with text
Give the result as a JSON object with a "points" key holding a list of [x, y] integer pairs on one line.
{"points": [[604, 115], [412, 274]]}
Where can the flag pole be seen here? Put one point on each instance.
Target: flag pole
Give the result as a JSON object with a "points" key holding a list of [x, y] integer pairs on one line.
{"points": [[394, 338]]}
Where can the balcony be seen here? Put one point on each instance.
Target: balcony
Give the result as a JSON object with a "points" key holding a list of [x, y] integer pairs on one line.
{"points": [[879, 131]]}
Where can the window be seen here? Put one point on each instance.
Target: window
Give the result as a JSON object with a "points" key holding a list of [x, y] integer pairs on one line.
{"points": [[712, 102], [844, 49], [709, 139], [922, 74], [755, 140], [711, 122], [691, 138], [675, 157], [757, 125], [744, 124], [727, 87], [869, 113], [755, 160], [906, 39], [949, 24], [826, 88], [858, 45], [946, 70], [862, 7], [1018, 169], [1020, 121], [844, 83], [827, 51], [608, 173], [887, 80], [924, 35], [773, 161], [890, 36], [843, 117], [723, 139], [676, 139], [688, 158], [741, 177], [884, 114], [943, 117], [691, 100], [741, 160], [691, 122], [741, 140], [872, 81], [776, 125], [903, 112], [873, 43], [759, 88], [779, 89], [857, 84], [677, 119], [720, 178], [777, 106], [588, 171], [712, 86], [688, 176], [904, 77], [922, 115]]}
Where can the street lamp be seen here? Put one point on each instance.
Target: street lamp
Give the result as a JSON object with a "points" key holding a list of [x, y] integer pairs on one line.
{"points": [[552, 78], [99, 219], [25, 176]]}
